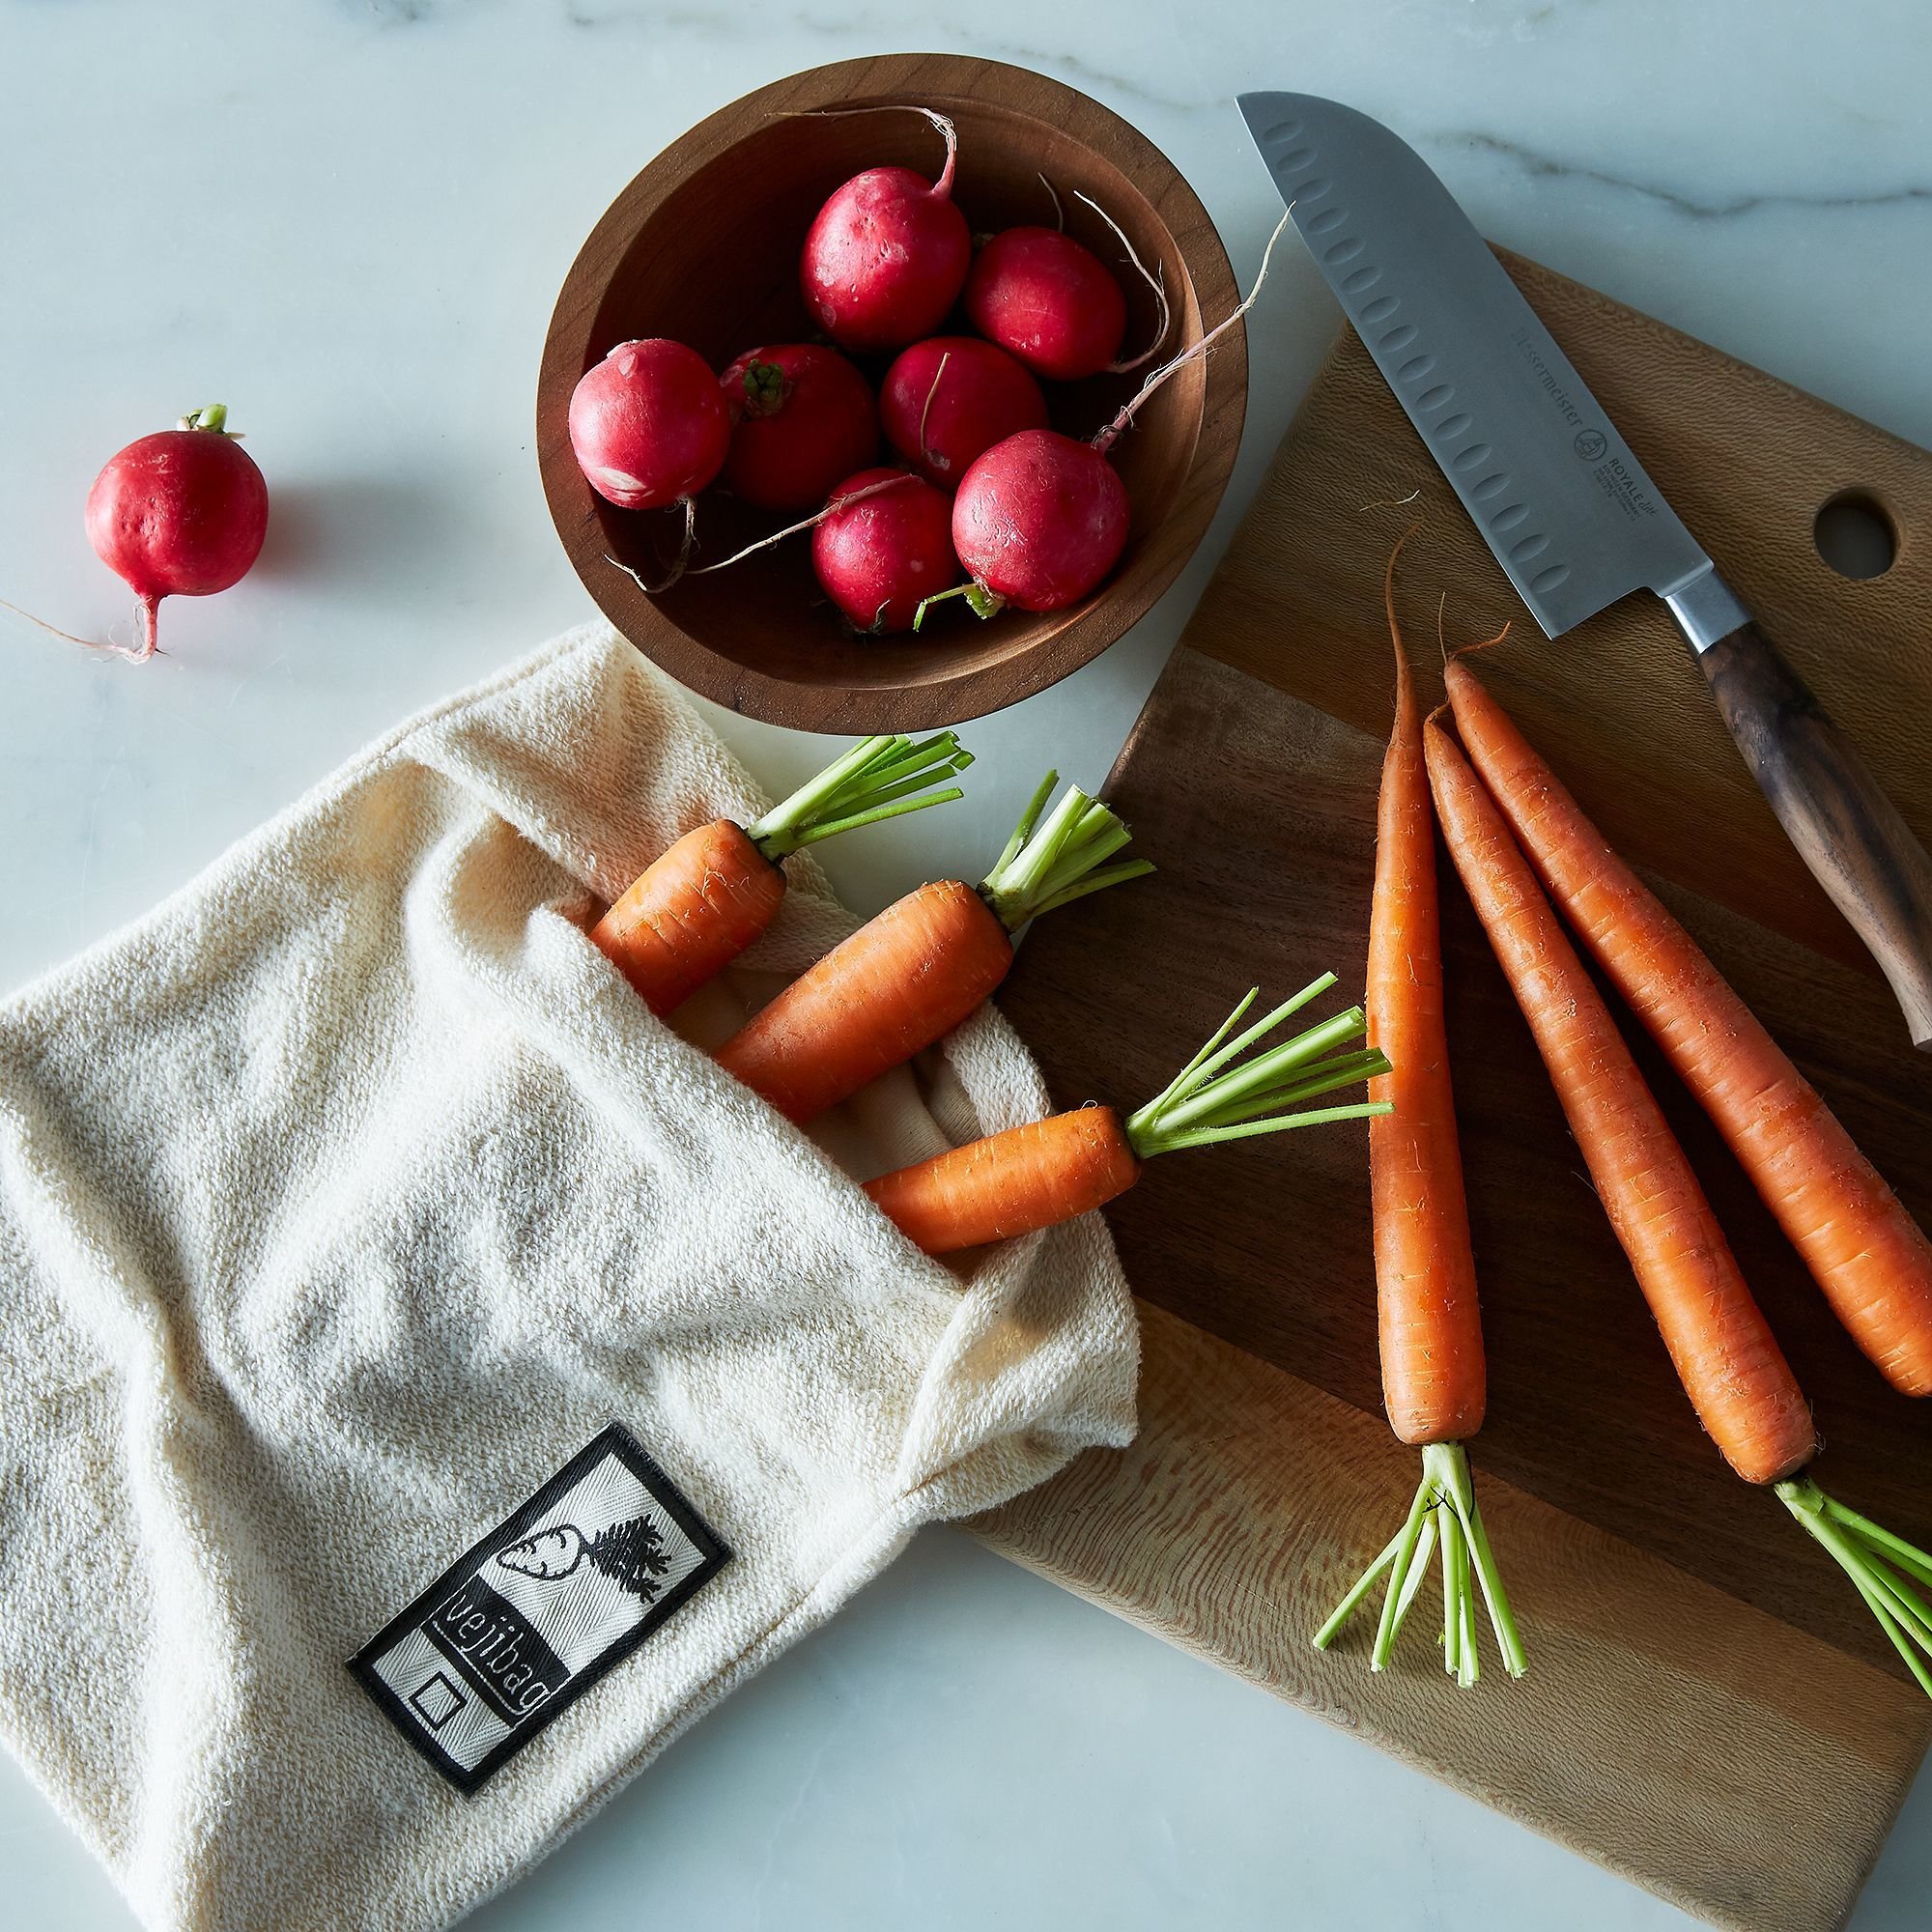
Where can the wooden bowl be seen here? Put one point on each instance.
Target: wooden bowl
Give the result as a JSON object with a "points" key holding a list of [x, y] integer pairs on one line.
{"points": [[704, 245]]}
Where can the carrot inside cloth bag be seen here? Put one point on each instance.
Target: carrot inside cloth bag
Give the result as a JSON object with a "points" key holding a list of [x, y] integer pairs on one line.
{"points": [[427, 1382]]}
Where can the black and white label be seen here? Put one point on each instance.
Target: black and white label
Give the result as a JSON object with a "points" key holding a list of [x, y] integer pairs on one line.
{"points": [[523, 1623]]}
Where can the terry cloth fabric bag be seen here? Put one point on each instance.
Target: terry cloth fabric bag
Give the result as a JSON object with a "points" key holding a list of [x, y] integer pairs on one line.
{"points": [[379, 1281]]}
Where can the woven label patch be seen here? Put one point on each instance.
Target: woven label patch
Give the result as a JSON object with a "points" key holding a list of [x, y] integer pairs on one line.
{"points": [[523, 1623]]}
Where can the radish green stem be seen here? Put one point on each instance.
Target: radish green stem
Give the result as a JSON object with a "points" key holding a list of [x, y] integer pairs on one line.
{"points": [[213, 417], [1445, 1514], [1868, 1554], [879, 778], [982, 601], [1050, 861]]}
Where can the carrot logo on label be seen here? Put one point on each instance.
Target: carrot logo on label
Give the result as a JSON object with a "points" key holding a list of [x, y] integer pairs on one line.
{"points": [[532, 1615], [631, 1554]]}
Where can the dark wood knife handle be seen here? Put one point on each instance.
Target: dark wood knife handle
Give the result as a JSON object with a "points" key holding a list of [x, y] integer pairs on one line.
{"points": [[1845, 828]]}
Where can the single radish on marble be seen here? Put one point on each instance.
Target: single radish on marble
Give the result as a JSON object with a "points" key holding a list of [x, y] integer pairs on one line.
{"points": [[181, 513], [649, 429], [802, 417], [887, 255], [945, 401], [881, 552], [1042, 518]]}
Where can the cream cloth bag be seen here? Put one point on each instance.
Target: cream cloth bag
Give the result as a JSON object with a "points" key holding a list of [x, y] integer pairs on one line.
{"points": [[380, 1281]]}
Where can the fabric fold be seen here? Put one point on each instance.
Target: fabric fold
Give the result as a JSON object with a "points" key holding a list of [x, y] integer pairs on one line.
{"points": [[344, 1200]]}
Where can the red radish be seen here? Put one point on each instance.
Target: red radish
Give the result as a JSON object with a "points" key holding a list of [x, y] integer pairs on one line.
{"points": [[887, 255], [1038, 521], [649, 428], [1041, 518], [649, 425], [802, 417], [1049, 300], [1053, 303], [181, 513], [879, 557], [948, 398]]}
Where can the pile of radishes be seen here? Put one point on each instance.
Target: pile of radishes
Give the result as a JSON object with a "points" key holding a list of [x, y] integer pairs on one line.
{"points": [[981, 486]]}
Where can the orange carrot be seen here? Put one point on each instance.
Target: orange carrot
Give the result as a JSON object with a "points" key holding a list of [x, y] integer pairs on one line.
{"points": [[1048, 1170], [1030, 1176], [925, 964], [1430, 1325], [700, 904], [691, 914], [1868, 1255], [1725, 1354], [1724, 1351]]}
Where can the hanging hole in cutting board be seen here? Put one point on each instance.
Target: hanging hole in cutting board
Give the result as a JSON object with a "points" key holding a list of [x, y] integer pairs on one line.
{"points": [[1855, 534]]}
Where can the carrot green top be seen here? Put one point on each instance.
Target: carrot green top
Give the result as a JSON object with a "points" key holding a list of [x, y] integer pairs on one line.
{"points": [[1214, 1100], [879, 778], [1049, 863]]}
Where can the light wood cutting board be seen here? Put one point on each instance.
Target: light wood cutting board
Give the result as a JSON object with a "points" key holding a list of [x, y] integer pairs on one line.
{"points": [[1708, 1711]]}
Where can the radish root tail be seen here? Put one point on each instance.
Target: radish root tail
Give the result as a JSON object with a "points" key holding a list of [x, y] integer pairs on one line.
{"points": [[1109, 435], [1058, 213], [925, 409], [1163, 312], [811, 523], [943, 187], [677, 569], [132, 654]]}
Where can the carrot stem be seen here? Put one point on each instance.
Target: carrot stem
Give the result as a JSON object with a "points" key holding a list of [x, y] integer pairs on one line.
{"points": [[1444, 1520], [1214, 1098], [1056, 857], [1418, 1574], [1392, 1600], [879, 778], [1866, 1555], [1362, 1587], [1907, 1557]]}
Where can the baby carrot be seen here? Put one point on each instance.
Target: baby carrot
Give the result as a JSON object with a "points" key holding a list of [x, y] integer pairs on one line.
{"points": [[699, 905], [1048, 1170], [1866, 1252], [1430, 1325], [1724, 1351], [922, 965]]}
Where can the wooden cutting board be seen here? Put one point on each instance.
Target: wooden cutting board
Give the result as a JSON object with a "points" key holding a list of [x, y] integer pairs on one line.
{"points": [[1709, 1710]]}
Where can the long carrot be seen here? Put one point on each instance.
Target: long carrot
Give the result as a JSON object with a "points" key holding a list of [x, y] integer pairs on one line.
{"points": [[1867, 1254], [924, 964], [1048, 1170], [1726, 1355], [1429, 1324], [699, 905]]}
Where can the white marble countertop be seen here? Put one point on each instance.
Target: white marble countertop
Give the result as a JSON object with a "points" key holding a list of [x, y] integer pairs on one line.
{"points": [[348, 219]]}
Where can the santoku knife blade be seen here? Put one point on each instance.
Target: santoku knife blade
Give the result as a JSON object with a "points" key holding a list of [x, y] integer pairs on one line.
{"points": [[1564, 503]]}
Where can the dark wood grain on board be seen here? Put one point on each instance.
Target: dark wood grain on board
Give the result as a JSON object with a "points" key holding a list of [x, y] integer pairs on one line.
{"points": [[1263, 811], [1694, 1657]]}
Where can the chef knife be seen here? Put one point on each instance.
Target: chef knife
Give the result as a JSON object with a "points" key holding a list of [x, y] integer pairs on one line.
{"points": [[1564, 504]]}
